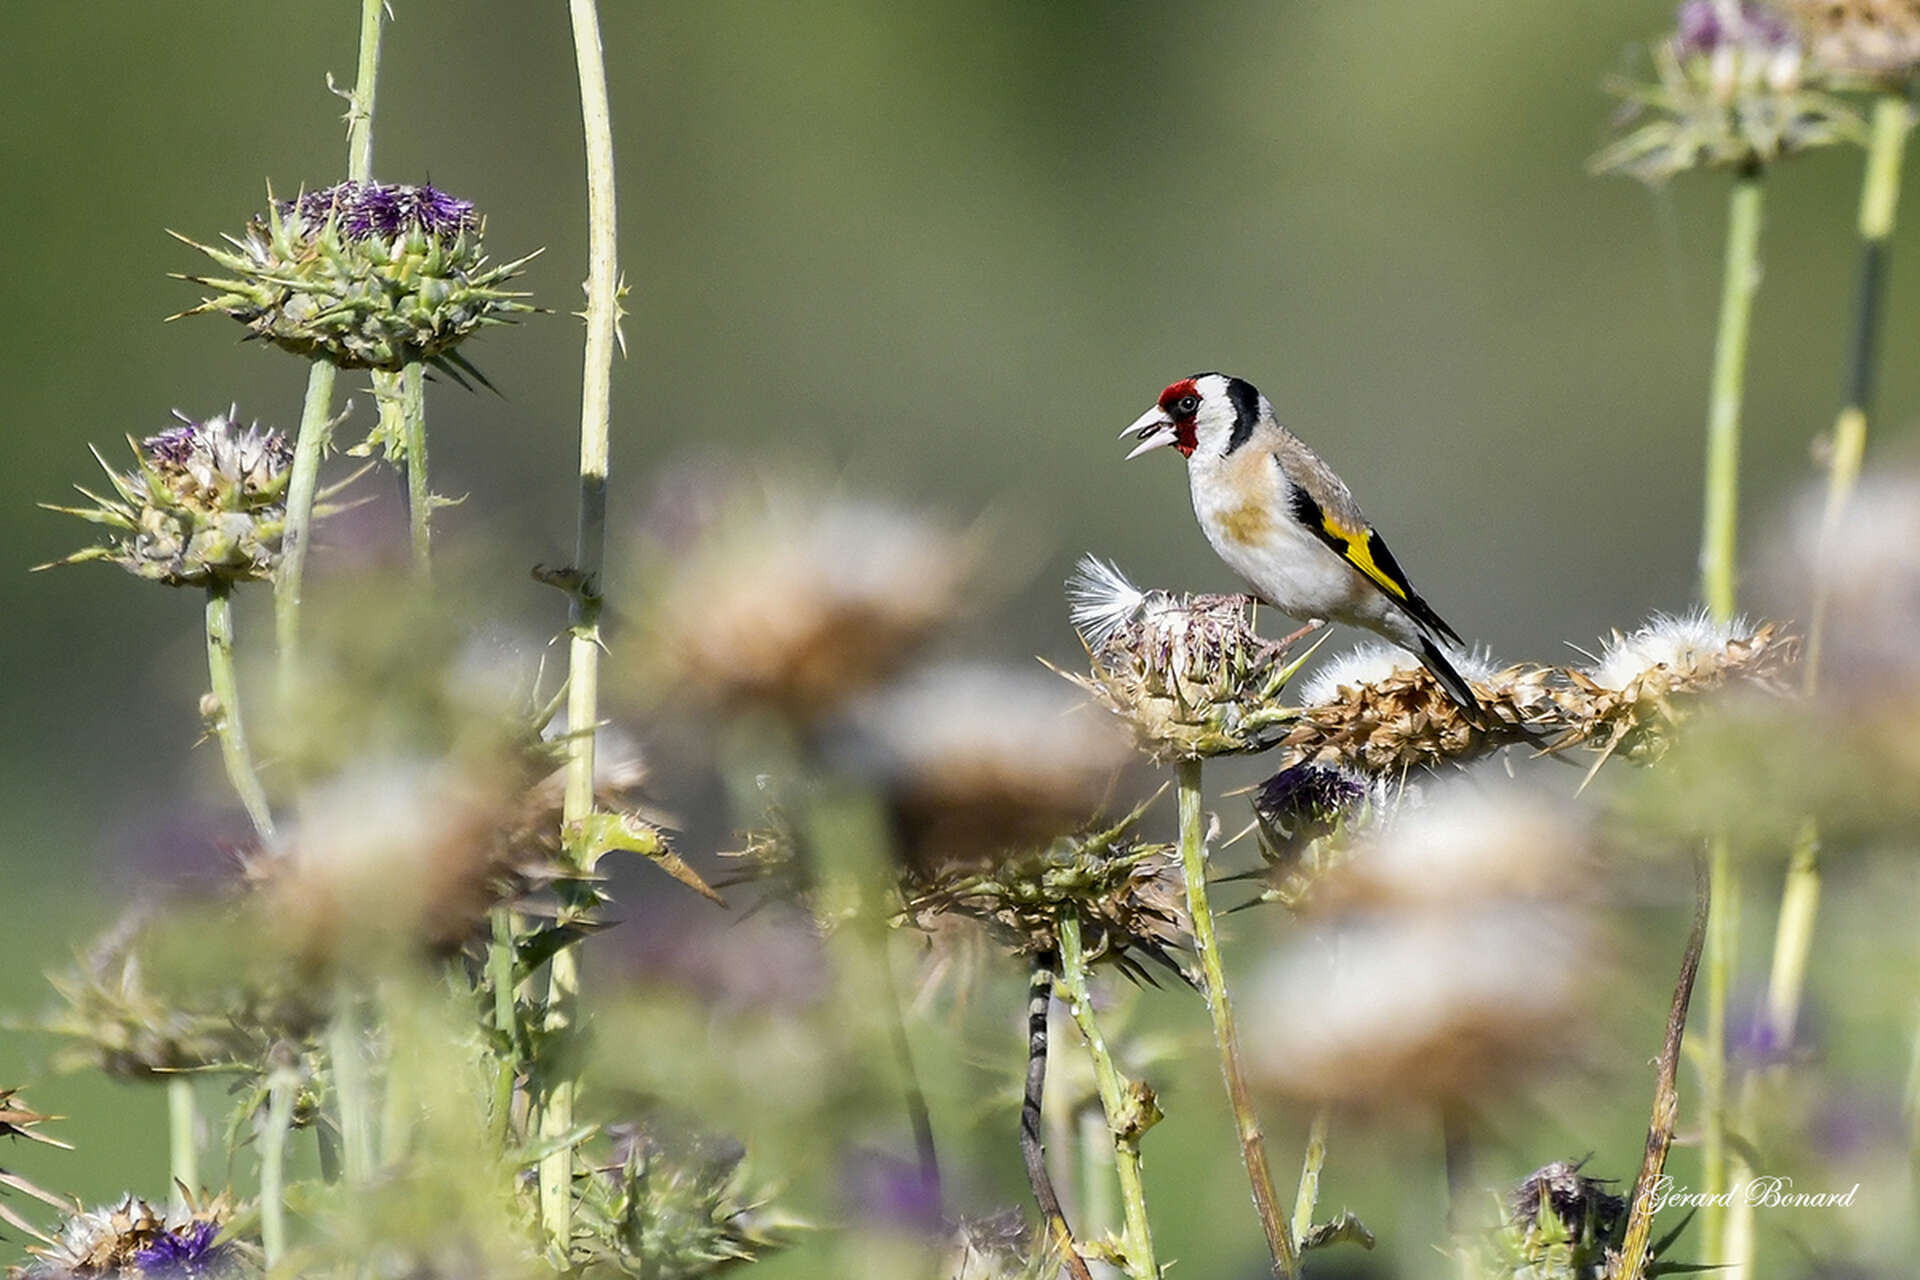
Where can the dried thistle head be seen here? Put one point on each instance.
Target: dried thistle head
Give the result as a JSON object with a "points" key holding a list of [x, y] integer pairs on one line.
{"points": [[1126, 893], [976, 761], [999, 1247], [1860, 41], [367, 275], [1378, 711], [1729, 91], [206, 502], [134, 1238], [782, 601], [1433, 980], [1631, 699], [1187, 673]]}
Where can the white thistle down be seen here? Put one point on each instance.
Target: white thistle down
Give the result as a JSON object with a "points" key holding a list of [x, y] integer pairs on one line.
{"points": [[1682, 644], [1101, 600], [1375, 661]]}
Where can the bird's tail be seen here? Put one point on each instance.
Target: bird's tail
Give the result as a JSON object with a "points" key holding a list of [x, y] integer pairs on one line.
{"points": [[1451, 680]]}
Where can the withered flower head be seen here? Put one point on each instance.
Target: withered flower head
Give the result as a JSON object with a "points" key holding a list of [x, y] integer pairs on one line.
{"points": [[1187, 673], [795, 604], [363, 274], [977, 761], [1729, 91], [1631, 698], [1376, 710], [134, 1238], [1875, 41], [1126, 893], [206, 502], [1000, 1247], [1302, 804], [1433, 979]]}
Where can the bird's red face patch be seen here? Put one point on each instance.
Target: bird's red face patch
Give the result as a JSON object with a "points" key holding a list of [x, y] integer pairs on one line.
{"points": [[1181, 402]]}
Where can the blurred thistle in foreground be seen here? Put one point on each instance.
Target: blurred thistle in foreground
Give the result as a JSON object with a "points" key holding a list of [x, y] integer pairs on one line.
{"points": [[1852, 41], [1187, 673], [365, 275], [671, 1209], [1454, 955], [134, 1238], [777, 599], [1730, 91], [205, 503], [976, 762]]}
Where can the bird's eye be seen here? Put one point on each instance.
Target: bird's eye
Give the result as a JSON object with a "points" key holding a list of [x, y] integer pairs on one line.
{"points": [[1188, 405]]}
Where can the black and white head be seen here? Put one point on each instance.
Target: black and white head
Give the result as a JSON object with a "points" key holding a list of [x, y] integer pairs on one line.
{"points": [[1210, 413]]}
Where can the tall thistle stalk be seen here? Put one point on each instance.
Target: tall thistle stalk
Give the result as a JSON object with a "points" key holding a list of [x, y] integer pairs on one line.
{"points": [[316, 423], [1253, 1151], [583, 681], [1718, 578], [183, 1152], [1127, 1117], [228, 726]]}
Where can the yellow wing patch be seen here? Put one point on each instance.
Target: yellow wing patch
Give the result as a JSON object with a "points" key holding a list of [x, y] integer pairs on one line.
{"points": [[1357, 547]]}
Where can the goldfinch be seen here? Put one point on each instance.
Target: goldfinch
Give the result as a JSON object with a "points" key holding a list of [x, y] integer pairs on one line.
{"points": [[1287, 525]]}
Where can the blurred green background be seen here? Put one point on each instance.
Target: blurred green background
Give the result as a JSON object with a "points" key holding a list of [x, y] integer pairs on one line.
{"points": [[948, 250]]}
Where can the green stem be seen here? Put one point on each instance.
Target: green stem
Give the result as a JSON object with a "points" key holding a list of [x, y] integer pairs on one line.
{"points": [[183, 1149], [1722, 944], [281, 1084], [360, 110], [316, 424], [413, 420], [500, 958], [1129, 1112], [227, 724], [583, 653], [350, 1086], [1253, 1152], [316, 428], [1718, 551], [1098, 1198], [1308, 1196]]}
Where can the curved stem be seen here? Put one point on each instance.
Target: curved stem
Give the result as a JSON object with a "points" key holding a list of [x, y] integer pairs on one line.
{"points": [[1033, 1151], [1632, 1260], [1718, 551], [583, 652], [1128, 1114], [183, 1152], [316, 413], [1253, 1151], [227, 724]]}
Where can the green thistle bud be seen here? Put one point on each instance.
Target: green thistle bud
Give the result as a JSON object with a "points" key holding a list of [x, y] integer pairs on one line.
{"points": [[206, 503], [364, 274]]}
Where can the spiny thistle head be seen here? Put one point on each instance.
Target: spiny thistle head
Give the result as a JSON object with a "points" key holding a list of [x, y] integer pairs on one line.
{"points": [[1851, 41], [1298, 807], [134, 1238], [1558, 1224], [367, 275], [672, 1208], [1125, 892], [205, 503], [1729, 91], [1187, 673]]}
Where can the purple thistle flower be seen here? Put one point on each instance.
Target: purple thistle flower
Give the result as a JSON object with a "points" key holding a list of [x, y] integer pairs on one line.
{"points": [[1307, 800], [385, 210], [175, 445], [1703, 27], [185, 1253]]}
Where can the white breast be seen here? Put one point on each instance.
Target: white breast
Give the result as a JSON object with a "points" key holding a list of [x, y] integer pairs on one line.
{"points": [[1241, 505]]}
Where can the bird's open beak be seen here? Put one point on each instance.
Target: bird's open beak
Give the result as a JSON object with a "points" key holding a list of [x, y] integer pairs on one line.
{"points": [[1154, 429]]}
